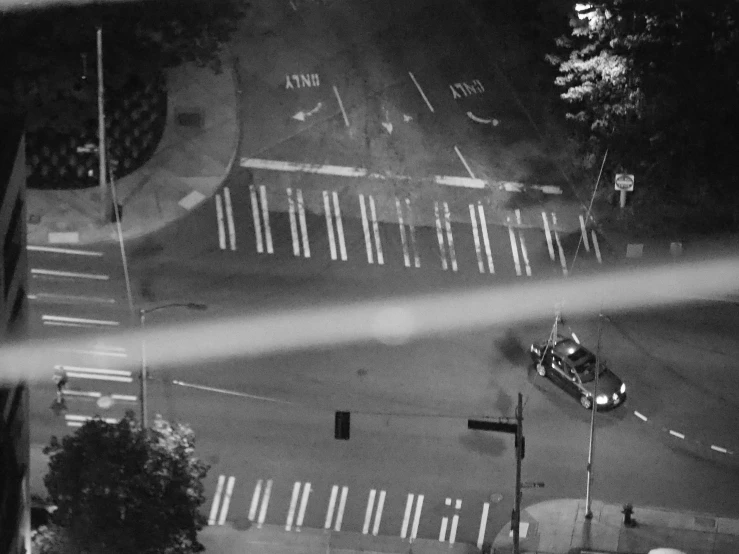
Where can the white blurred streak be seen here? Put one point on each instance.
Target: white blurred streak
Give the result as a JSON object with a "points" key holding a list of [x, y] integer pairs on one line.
{"points": [[22, 5], [413, 318]]}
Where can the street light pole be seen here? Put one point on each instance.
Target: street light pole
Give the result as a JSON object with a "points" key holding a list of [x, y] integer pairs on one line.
{"points": [[144, 376], [104, 202], [594, 408]]}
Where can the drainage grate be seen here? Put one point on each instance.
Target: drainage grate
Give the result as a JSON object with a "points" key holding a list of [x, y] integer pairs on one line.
{"points": [[190, 118]]}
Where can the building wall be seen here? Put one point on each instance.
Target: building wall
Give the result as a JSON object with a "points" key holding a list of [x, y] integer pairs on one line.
{"points": [[14, 409]]}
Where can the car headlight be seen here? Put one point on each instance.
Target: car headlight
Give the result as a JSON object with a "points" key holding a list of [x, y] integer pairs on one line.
{"points": [[601, 399], [623, 388]]}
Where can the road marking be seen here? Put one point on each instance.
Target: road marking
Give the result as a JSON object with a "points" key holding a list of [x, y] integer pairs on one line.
{"points": [[420, 90], [341, 106], [293, 506], [216, 500], [464, 182], [440, 237], [548, 234], [368, 511], [265, 219], [561, 251], [74, 420], [342, 505], [584, 234], [476, 237], [58, 319], [69, 274], [255, 501], [255, 218], [96, 394], [485, 237], [719, 449], [521, 238], [331, 506], [265, 503], [92, 370], [294, 229], [293, 223], [376, 229], [57, 250], [406, 256], [412, 229], [227, 500], [221, 225], [676, 434], [365, 229], [303, 506], [378, 513], [464, 162], [229, 392], [455, 522], [483, 524], [416, 517], [449, 237], [596, 246], [69, 298], [114, 353], [640, 416], [339, 226], [406, 516], [230, 218], [99, 377], [303, 224], [514, 248], [329, 225]]}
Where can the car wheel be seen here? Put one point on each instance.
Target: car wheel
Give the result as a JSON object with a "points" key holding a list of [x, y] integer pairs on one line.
{"points": [[541, 370], [586, 402]]}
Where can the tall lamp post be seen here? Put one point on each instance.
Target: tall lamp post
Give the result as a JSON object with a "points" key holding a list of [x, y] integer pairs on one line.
{"points": [[143, 376]]}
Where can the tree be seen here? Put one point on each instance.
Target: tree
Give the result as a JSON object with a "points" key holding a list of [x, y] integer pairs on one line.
{"points": [[120, 488]]}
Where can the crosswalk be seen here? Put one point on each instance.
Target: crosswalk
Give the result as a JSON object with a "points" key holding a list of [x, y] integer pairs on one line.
{"points": [[340, 507]]}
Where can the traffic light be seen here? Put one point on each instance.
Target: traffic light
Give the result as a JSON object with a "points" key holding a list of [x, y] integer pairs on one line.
{"points": [[341, 426]]}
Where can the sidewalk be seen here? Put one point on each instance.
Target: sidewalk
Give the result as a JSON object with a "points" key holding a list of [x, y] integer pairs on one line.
{"points": [[188, 166]]}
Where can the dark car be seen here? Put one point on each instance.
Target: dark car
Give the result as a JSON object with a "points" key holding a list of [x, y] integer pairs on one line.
{"points": [[571, 367]]}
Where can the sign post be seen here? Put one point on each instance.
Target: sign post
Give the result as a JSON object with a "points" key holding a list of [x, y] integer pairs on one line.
{"points": [[624, 183]]}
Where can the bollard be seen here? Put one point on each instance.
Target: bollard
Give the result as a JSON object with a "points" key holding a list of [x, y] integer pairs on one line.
{"points": [[628, 511]]}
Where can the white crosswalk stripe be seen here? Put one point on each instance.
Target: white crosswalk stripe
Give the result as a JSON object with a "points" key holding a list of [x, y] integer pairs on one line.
{"points": [[298, 227]]}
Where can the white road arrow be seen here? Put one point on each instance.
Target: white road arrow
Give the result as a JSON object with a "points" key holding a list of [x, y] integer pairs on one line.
{"points": [[473, 117], [301, 115]]}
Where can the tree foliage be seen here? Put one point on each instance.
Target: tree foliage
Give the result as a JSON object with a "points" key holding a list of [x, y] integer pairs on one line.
{"points": [[657, 81], [121, 489]]}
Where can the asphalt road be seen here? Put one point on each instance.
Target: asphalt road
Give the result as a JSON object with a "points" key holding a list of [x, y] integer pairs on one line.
{"points": [[409, 402]]}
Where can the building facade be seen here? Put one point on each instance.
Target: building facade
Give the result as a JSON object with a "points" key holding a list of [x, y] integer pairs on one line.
{"points": [[15, 522]]}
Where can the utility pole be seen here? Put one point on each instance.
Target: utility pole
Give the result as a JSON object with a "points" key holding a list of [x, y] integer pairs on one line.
{"points": [[594, 408], [104, 199], [516, 519]]}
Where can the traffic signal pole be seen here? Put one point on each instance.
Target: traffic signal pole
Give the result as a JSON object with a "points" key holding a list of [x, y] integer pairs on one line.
{"points": [[516, 520]]}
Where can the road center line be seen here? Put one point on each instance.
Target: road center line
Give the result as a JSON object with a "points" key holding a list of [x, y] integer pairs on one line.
{"points": [[57, 250], [70, 274]]}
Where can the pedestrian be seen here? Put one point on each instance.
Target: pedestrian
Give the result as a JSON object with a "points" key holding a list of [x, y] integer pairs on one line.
{"points": [[60, 378]]}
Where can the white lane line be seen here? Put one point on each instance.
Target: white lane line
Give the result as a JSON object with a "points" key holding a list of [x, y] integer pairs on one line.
{"points": [[93, 370], [79, 420], [719, 449], [329, 225], [255, 218], [56, 250], [112, 354], [68, 274], [640, 416], [416, 517], [514, 249], [596, 246], [368, 511], [331, 506], [412, 229], [524, 251], [99, 377], [320, 169], [293, 223], [440, 236], [216, 500], [406, 516], [340, 511], [303, 506], [548, 234], [78, 320], [420, 90], [376, 229], [563, 261], [339, 226], [465, 182], [449, 237], [584, 232], [69, 298], [483, 524], [265, 219], [406, 255], [229, 392], [464, 162], [96, 394], [265, 503], [476, 237], [341, 106], [365, 228], [442, 529], [485, 237], [455, 523], [378, 513], [676, 434], [255, 500], [227, 500], [293, 506], [303, 225], [230, 217]]}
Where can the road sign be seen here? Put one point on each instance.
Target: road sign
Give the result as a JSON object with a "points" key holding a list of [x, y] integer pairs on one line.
{"points": [[624, 181]]}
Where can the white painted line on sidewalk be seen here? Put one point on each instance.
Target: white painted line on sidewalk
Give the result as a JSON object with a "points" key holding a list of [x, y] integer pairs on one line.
{"points": [[640, 416], [420, 90], [584, 232], [293, 506], [340, 511], [476, 238], [676, 434], [230, 218], [99, 377], [378, 513], [303, 506], [265, 219], [485, 237], [69, 298], [341, 106], [227, 500], [522, 239], [78, 320], [221, 226], [365, 229], [464, 182], [596, 246], [406, 516], [255, 501], [548, 234], [331, 505], [255, 218], [412, 229], [68, 274], [514, 249], [320, 169], [403, 241], [563, 261], [440, 236], [464, 162], [57, 250], [416, 517], [303, 225], [719, 449], [293, 222], [265, 503], [483, 524], [216, 500], [92, 370], [339, 226], [376, 229], [329, 225], [368, 511], [450, 238]]}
